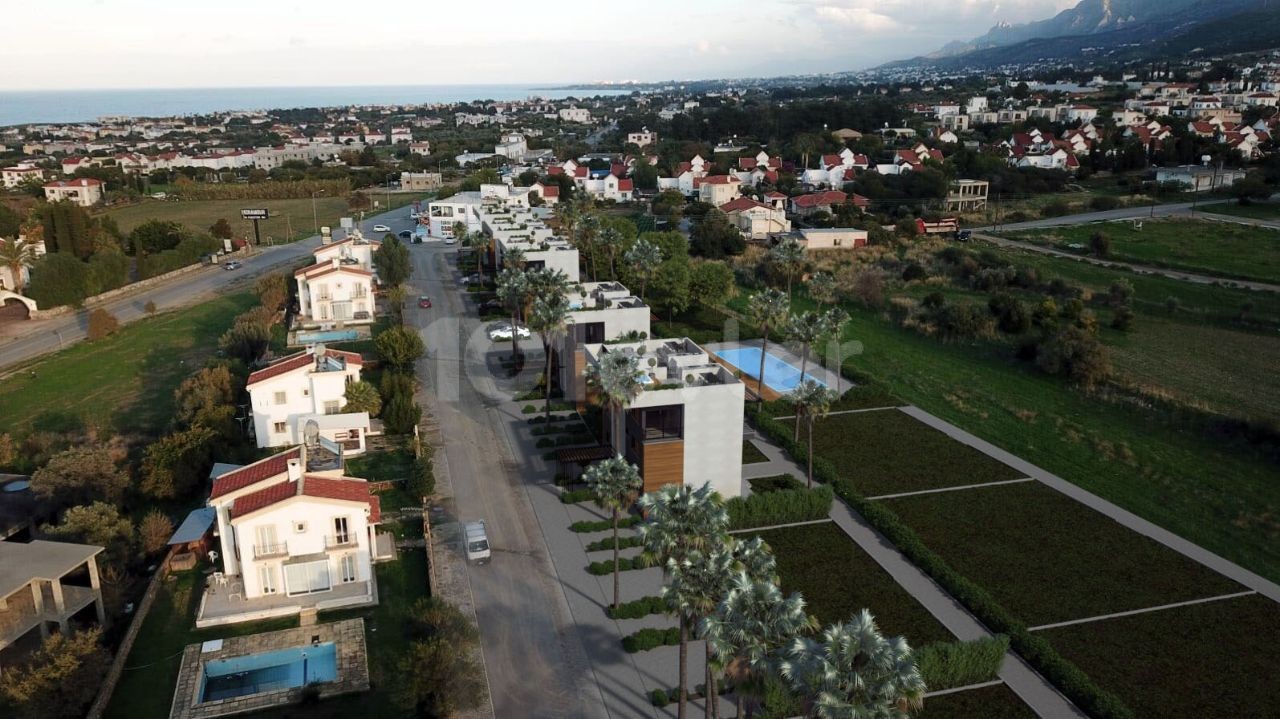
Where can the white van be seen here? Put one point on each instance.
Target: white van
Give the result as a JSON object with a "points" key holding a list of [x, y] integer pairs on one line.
{"points": [[477, 542]]}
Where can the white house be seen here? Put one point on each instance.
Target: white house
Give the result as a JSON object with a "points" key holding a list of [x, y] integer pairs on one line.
{"points": [[84, 191], [512, 146], [333, 292], [642, 138], [1199, 178], [308, 387], [599, 312], [608, 187], [20, 173], [756, 220], [575, 114], [718, 189]]}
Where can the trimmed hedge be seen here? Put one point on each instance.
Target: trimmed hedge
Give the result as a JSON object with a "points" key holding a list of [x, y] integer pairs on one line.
{"points": [[783, 506], [607, 544], [1073, 682], [638, 608], [947, 665], [762, 485], [625, 564], [603, 524], [573, 496], [646, 639]]}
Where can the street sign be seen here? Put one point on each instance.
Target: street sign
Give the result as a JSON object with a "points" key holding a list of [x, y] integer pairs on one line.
{"points": [[253, 214]]}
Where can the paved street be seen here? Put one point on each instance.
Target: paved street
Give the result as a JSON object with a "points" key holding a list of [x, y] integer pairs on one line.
{"points": [[1176, 209]]}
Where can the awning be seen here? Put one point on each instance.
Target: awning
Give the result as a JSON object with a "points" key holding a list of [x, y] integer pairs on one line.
{"points": [[195, 526], [582, 455]]}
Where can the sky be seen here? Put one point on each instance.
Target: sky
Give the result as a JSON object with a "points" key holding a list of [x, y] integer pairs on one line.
{"points": [[73, 44]]}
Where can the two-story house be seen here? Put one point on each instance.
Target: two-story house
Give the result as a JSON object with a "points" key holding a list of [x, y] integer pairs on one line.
{"points": [[755, 219], [599, 312], [308, 387], [335, 291]]}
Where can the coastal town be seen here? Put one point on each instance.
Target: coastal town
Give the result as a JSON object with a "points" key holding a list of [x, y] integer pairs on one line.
{"points": [[914, 392]]}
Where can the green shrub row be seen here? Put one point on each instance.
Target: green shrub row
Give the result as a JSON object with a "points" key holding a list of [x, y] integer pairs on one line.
{"points": [[1073, 682], [947, 665], [603, 524], [573, 496], [642, 607], [542, 419], [607, 544], [646, 639], [783, 506], [625, 564], [661, 698]]}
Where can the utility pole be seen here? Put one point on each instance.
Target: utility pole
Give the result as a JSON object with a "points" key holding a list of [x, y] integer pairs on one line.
{"points": [[315, 217]]}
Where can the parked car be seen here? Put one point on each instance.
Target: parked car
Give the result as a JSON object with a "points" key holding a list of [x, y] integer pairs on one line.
{"points": [[964, 235], [477, 542], [404, 234], [424, 302], [381, 228], [232, 265], [472, 279], [451, 240], [490, 306], [502, 331]]}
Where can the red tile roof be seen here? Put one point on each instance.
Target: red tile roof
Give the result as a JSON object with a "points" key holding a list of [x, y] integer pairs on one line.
{"points": [[776, 195], [739, 204], [747, 163], [343, 490], [253, 473], [625, 185], [297, 361], [719, 179], [555, 170], [324, 268], [81, 182], [820, 199]]}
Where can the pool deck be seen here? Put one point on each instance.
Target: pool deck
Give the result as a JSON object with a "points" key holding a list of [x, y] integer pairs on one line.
{"points": [[782, 352], [352, 660]]}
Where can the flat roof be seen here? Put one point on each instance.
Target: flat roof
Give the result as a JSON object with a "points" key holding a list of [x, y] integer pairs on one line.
{"points": [[20, 563]]}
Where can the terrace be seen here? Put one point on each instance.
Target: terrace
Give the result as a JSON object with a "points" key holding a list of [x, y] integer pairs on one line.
{"points": [[225, 603], [669, 364], [33, 590]]}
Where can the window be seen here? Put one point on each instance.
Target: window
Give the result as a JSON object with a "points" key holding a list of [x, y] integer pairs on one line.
{"points": [[332, 406], [592, 332], [348, 568], [340, 533], [306, 392], [267, 580], [281, 398], [299, 527], [307, 578], [280, 427]]}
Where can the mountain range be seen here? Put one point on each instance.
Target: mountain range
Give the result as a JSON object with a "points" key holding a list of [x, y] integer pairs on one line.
{"points": [[1117, 30]]}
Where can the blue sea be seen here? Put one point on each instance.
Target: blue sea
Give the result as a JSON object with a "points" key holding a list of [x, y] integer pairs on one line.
{"points": [[24, 107]]}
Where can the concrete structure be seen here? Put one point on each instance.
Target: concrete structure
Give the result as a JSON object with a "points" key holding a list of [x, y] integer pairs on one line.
{"points": [[84, 191], [642, 138], [332, 293], [33, 594], [575, 114], [828, 238], [600, 312], [442, 215], [967, 195], [512, 146], [512, 225], [421, 181], [307, 387], [1199, 178]]}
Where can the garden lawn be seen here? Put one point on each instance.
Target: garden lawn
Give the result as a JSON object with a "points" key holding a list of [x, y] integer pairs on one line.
{"points": [[751, 454], [1205, 661], [887, 452], [838, 579], [1254, 210], [1217, 248], [123, 383], [1048, 558], [704, 324], [995, 702], [151, 671]]}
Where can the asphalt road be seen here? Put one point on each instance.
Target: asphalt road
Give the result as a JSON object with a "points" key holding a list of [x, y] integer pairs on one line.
{"points": [[536, 666], [37, 337], [1177, 209]]}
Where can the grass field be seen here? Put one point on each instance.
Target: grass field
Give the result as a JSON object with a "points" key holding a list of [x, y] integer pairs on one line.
{"points": [[1222, 249], [997, 702], [1048, 558], [838, 579], [752, 454], [1205, 661], [886, 452], [123, 383], [1256, 210], [285, 214]]}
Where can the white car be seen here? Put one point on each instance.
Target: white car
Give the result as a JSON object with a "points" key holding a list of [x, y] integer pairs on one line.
{"points": [[451, 240], [502, 331], [381, 228]]}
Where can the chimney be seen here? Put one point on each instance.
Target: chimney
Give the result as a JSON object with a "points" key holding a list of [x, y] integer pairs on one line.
{"points": [[335, 261], [295, 469]]}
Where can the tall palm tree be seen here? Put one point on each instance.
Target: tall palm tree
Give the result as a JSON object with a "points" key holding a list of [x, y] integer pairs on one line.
{"points": [[617, 378], [513, 284], [836, 319], [477, 242], [17, 256], [587, 232], [811, 401], [513, 259], [697, 584], [852, 670], [768, 309], [681, 522], [616, 484], [549, 317], [788, 255], [750, 623], [644, 257]]}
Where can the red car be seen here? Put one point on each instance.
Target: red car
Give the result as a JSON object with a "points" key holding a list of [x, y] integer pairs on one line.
{"points": [[424, 302]]}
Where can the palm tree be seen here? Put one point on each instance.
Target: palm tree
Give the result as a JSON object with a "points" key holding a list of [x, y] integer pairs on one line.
{"points": [[681, 521], [836, 319], [854, 671], [610, 240], [476, 242], [512, 286], [811, 401], [616, 375], [822, 288], [513, 259], [750, 623], [767, 310], [788, 255], [616, 484], [644, 257], [697, 584], [17, 256], [587, 230], [549, 317]]}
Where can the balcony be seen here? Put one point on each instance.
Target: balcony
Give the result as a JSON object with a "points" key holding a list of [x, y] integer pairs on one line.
{"points": [[265, 551], [339, 541]]}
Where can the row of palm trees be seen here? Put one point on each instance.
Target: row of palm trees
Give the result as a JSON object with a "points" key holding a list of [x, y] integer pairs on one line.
{"points": [[770, 311], [726, 591]]}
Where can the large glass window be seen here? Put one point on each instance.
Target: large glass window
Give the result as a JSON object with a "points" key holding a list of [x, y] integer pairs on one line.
{"points": [[307, 578]]}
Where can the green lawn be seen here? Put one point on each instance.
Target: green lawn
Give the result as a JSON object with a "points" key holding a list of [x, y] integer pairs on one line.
{"points": [[838, 579], [703, 324], [887, 452], [1048, 558], [123, 383], [752, 454], [1205, 661], [1226, 250], [997, 702], [1256, 210]]}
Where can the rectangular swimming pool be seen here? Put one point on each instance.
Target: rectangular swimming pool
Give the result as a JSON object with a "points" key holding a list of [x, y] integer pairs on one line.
{"points": [[328, 336], [268, 672], [779, 375]]}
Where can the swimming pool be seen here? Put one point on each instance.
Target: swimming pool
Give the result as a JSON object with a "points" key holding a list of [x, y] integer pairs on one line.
{"points": [[779, 375], [328, 336], [268, 672]]}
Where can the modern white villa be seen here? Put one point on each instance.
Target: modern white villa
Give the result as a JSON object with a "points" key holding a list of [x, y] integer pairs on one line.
{"points": [[304, 389], [514, 226], [600, 312]]}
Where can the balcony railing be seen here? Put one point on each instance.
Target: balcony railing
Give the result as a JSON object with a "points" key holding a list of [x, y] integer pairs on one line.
{"points": [[262, 551], [335, 541]]}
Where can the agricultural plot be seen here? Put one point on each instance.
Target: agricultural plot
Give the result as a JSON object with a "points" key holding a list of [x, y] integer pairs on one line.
{"points": [[1199, 662], [1047, 558], [838, 579]]}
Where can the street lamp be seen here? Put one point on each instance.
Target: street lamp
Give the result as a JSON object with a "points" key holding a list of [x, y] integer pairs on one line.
{"points": [[315, 217], [389, 176]]}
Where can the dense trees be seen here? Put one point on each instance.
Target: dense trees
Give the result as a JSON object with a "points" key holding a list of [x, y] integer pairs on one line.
{"points": [[439, 675], [58, 681], [80, 475], [178, 463], [400, 347], [715, 237], [392, 261]]}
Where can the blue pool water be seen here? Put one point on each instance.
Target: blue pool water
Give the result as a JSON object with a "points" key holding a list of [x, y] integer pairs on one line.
{"points": [[269, 672], [329, 336], [779, 375]]}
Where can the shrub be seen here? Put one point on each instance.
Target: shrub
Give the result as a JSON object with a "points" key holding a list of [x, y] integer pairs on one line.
{"points": [[1076, 354], [528, 409], [659, 698], [638, 608], [646, 639], [625, 564], [1099, 244], [422, 478], [1103, 203], [913, 272], [574, 496], [603, 524], [607, 544], [102, 324], [1057, 208], [762, 485], [955, 664], [783, 506]]}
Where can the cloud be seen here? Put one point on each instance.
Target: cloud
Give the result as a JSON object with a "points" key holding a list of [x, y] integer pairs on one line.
{"points": [[859, 18]]}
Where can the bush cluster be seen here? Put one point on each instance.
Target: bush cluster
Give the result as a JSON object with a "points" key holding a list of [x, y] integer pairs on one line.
{"points": [[646, 639], [946, 665], [607, 544], [762, 485], [625, 564], [573, 496], [783, 506], [603, 524], [638, 608]]}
